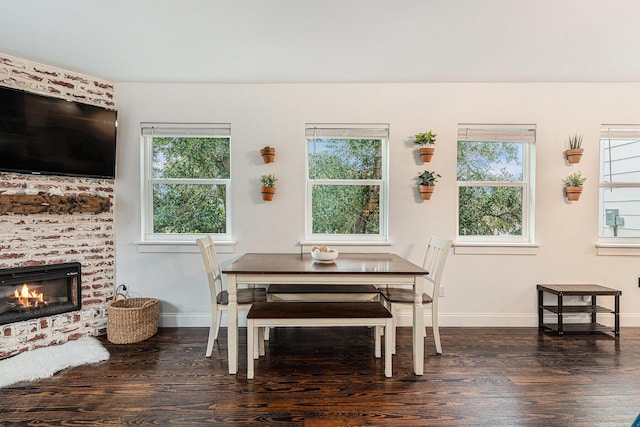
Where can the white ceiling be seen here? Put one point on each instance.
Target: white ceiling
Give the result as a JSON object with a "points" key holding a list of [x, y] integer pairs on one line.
{"points": [[290, 41]]}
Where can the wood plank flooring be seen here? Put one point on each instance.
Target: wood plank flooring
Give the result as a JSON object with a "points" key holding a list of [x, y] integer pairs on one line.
{"points": [[329, 377]]}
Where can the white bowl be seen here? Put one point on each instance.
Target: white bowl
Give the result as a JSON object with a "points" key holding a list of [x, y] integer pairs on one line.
{"points": [[328, 256]]}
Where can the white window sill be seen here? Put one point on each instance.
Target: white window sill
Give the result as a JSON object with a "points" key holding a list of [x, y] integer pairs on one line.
{"points": [[488, 248], [183, 247], [617, 249]]}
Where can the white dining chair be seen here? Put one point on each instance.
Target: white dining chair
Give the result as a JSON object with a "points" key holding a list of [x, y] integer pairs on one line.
{"points": [[434, 260], [220, 297]]}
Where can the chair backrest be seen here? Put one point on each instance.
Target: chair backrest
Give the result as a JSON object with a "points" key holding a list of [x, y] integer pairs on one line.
{"points": [[435, 257], [211, 266]]}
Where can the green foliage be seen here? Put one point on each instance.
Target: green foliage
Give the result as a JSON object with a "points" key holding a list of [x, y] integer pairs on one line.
{"points": [[486, 210], [426, 138], [184, 207], [428, 178], [489, 161], [575, 141], [191, 158], [345, 208], [490, 211], [268, 180], [345, 158], [574, 180]]}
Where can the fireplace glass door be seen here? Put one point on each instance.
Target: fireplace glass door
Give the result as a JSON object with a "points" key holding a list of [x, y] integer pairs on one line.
{"points": [[38, 291]]}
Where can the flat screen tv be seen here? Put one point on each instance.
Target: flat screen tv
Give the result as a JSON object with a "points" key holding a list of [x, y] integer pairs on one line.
{"points": [[51, 136]]}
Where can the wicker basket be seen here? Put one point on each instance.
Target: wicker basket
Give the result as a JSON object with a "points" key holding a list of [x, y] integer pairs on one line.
{"points": [[132, 320]]}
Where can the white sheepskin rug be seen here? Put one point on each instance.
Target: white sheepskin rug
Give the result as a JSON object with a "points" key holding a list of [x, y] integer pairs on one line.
{"points": [[44, 362]]}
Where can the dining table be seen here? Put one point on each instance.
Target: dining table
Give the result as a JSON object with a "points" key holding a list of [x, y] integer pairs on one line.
{"points": [[379, 269]]}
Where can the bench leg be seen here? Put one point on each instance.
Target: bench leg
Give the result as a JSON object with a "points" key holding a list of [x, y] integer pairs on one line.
{"points": [[378, 347], [388, 348], [250, 348], [261, 334]]}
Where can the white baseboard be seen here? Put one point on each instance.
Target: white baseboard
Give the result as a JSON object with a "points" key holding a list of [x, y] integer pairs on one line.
{"points": [[405, 318]]}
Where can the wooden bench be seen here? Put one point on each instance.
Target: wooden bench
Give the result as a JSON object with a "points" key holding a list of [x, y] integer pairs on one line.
{"points": [[317, 314]]}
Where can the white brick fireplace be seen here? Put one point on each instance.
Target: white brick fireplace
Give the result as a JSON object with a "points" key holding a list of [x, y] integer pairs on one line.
{"points": [[45, 238]]}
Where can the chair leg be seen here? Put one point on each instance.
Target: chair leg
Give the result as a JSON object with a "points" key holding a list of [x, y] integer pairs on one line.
{"points": [[213, 332], [436, 330], [394, 325], [219, 315]]}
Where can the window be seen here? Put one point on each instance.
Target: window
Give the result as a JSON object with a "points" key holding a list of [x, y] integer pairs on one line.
{"points": [[619, 218], [347, 182], [186, 181], [495, 196]]}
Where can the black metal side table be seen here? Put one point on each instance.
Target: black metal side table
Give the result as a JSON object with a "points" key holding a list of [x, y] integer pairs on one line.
{"points": [[590, 290]]}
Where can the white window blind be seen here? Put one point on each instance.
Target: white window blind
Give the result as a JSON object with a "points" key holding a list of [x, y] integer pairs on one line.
{"points": [[348, 131], [497, 133], [186, 129]]}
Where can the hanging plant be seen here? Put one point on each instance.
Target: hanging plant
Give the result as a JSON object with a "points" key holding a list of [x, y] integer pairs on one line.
{"points": [[573, 185], [427, 184], [426, 141], [268, 154], [574, 153], [268, 186]]}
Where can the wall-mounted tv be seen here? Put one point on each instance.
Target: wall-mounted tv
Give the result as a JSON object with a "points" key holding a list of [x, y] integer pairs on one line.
{"points": [[51, 136]]}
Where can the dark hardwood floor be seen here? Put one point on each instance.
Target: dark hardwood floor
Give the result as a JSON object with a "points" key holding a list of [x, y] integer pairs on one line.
{"points": [[329, 377]]}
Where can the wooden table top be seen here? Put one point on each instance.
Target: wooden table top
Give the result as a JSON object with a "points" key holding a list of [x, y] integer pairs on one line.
{"points": [[263, 263]]}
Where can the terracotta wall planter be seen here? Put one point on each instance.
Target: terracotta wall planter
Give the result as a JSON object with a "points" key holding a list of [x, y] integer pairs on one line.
{"points": [[426, 191], [426, 153], [574, 155], [573, 193], [268, 154], [267, 193]]}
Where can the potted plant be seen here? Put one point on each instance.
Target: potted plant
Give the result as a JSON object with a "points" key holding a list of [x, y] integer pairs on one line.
{"points": [[268, 154], [426, 141], [573, 185], [268, 186], [427, 184], [574, 153]]}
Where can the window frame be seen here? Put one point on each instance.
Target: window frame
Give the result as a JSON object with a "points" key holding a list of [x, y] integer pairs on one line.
{"points": [[501, 133], [349, 131], [204, 130], [613, 132]]}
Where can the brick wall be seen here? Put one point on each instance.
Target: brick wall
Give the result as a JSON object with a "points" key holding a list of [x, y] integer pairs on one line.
{"points": [[50, 238]]}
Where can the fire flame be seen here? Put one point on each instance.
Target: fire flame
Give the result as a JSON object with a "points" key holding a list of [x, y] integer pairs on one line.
{"points": [[28, 298]]}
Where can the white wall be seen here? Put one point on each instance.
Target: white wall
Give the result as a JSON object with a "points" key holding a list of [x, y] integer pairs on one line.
{"points": [[481, 290]]}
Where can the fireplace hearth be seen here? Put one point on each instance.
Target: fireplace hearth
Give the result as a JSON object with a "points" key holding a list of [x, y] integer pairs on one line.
{"points": [[39, 291]]}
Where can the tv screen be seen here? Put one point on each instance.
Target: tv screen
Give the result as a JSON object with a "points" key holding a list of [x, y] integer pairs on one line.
{"points": [[51, 136]]}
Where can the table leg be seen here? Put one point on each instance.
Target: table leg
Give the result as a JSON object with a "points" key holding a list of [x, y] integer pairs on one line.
{"points": [[418, 326], [250, 348], [232, 324]]}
